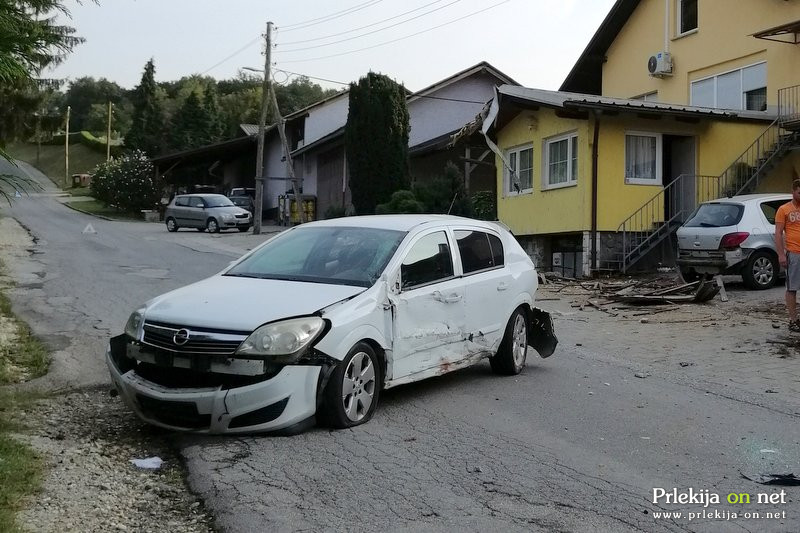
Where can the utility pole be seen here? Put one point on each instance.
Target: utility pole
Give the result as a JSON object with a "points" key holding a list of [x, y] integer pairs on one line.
{"points": [[262, 125], [38, 138], [108, 134], [289, 164], [66, 150]]}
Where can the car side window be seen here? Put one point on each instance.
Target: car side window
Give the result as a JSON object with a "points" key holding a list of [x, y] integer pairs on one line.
{"points": [[475, 250], [198, 202], [497, 250], [429, 260], [770, 209], [182, 202]]}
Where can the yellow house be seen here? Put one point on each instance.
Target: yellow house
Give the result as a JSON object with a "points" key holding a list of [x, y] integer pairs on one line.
{"points": [[672, 102]]}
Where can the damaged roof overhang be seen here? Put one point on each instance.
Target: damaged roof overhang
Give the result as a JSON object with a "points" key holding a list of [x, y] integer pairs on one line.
{"points": [[785, 33]]}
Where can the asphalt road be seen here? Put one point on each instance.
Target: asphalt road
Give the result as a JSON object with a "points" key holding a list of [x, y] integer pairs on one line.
{"points": [[575, 443]]}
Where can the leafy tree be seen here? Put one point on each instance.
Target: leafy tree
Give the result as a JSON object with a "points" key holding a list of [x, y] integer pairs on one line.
{"points": [[127, 183], [444, 194], [484, 205], [188, 128], [401, 202], [214, 128], [97, 119], [30, 38], [85, 92], [147, 126], [376, 141]]}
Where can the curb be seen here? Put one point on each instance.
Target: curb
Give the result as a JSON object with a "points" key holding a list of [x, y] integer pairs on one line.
{"points": [[69, 204]]}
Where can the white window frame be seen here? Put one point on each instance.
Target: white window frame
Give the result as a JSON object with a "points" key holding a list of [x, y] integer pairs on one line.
{"points": [[507, 178], [742, 97], [572, 181], [678, 12], [647, 97], [659, 181]]}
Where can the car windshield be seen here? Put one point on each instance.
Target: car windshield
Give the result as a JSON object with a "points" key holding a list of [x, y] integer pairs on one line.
{"points": [[241, 201], [333, 255], [217, 200], [715, 216]]}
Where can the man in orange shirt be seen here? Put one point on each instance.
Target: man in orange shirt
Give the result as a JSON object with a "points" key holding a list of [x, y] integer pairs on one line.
{"points": [[787, 221]]}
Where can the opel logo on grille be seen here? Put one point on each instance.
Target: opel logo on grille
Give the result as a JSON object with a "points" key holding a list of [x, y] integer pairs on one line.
{"points": [[181, 337]]}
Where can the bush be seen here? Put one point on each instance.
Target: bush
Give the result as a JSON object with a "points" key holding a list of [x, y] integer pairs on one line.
{"points": [[127, 183], [401, 202], [484, 205], [444, 194], [335, 211]]}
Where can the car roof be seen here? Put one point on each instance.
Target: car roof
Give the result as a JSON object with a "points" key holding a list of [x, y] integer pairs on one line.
{"points": [[199, 195], [745, 198], [402, 222]]}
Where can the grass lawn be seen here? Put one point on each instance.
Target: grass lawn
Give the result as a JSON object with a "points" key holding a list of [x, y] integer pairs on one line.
{"points": [[96, 207], [82, 159], [22, 357], [21, 470], [79, 191]]}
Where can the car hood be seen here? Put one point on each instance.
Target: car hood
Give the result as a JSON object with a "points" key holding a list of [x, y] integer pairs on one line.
{"points": [[243, 304], [228, 209]]}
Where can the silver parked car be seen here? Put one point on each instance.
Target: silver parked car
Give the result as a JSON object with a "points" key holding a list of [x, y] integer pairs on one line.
{"points": [[317, 321], [211, 212], [733, 236]]}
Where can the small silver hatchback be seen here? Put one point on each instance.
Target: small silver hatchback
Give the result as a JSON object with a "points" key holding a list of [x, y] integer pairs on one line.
{"points": [[212, 212], [733, 236]]}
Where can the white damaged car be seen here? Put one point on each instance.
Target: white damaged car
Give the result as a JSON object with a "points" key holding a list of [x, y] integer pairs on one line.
{"points": [[316, 322]]}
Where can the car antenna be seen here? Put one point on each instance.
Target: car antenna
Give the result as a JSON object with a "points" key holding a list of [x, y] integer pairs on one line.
{"points": [[452, 203]]}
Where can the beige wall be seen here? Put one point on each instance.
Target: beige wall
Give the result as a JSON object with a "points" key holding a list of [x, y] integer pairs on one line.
{"points": [[721, 43]]}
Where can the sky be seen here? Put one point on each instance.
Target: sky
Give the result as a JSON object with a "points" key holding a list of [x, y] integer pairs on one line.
{"points": [[535, 42]]}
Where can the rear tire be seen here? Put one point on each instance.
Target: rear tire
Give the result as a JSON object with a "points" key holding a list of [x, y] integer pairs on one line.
{"points": [[761, 270], [172, 226], [690, 276], [212, 225], [351, 396], [510, 357]]}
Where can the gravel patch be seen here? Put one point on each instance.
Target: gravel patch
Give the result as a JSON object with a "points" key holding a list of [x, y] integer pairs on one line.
{"points": [[87, 440]]}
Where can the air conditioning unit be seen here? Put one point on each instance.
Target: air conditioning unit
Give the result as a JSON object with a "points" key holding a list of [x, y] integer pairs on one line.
{"points": [[660, 64]]}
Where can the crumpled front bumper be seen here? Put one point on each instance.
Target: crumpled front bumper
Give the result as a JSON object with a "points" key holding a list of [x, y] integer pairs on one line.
{"points": [[285, 402], [541, 333]]}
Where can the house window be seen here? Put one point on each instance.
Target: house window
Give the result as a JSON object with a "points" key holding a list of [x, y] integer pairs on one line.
{"points": [[687, 16], [519, 174], [561, 161], [643, 158], [744, 88]]}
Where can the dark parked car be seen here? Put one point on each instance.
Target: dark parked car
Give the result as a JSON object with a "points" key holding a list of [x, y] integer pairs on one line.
{"points": [[211, 212], [245, 202]]}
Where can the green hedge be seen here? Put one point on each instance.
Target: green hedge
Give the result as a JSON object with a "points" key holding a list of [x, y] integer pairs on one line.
{"points": [[87, 139]]}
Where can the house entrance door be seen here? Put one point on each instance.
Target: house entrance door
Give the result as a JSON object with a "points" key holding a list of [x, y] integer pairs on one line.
{"points": [[680, 198]]}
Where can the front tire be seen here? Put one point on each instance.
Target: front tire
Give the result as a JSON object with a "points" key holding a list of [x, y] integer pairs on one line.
{"points": [[510, 357], [172, 226], [761, 270], [212, 226], [351, 396]]}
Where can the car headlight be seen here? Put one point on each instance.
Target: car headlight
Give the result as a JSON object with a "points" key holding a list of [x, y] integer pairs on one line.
{"points": [[282, 342], [226, 217], [133, 327]]}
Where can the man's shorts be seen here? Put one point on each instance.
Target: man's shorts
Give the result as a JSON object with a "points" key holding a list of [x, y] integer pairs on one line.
{"points": [[792, 271]]}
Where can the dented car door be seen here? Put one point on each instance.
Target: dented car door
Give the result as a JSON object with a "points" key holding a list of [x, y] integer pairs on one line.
{"points": [[486, 281], [429, 317]]}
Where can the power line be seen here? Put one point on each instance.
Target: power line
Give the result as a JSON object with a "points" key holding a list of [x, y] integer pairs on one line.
{"points": [[399, 38], [370, 32], [362, 27], [237, 52], [411, 95], [326, 18]]}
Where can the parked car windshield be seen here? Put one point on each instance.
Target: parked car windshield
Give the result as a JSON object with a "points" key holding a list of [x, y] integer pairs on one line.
{"points": [[715, 216], [217, 200], [333, 255], [241, 201]]}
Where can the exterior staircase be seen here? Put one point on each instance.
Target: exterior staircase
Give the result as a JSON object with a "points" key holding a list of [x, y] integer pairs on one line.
{"points": [[664, 213]]}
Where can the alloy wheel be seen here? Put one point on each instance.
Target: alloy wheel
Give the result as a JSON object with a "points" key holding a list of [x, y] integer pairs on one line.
{"points": [[358, 386], [519, 342], [763, 271]]}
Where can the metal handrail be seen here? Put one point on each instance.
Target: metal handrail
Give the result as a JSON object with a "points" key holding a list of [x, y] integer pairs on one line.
{"points": [[671, 204], [789, 104], [747, 167]]}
